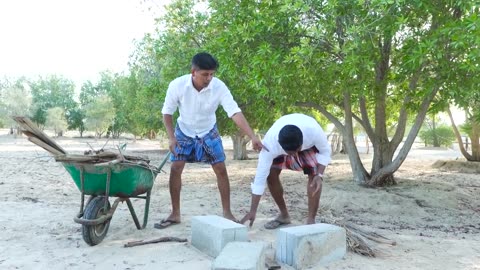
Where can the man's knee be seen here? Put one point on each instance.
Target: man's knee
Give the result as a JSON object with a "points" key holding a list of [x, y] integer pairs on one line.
{"points": [[177, 167], [273, 176], [220, 169]]}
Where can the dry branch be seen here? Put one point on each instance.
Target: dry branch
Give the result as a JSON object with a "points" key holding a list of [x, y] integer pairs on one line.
{"points": [[154, 241], [359, 240]]}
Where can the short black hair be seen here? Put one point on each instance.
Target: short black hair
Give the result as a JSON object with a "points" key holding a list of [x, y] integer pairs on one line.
{"points": [[204, 61], [290, 138]]}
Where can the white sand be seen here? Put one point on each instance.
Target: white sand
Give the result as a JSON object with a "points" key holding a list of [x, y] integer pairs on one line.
{"points": [[432, 214]]}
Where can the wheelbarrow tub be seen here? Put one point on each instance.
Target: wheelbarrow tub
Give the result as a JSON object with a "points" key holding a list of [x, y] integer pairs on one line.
{"points": [[126, 180]]}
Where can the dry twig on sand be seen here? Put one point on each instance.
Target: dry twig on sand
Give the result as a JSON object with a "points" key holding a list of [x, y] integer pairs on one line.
{"points": [[360, 240], [158, 240]]}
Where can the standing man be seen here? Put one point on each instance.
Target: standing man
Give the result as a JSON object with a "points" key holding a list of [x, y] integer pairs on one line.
{"points": [[195, 137], [295, 142]]}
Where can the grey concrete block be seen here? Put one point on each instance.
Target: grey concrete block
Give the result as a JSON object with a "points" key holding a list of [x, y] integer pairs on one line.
{"points": [[211, 233], [309, 245], [241, 256]]}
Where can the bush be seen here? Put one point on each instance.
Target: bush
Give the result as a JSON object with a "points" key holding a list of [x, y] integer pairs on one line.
{"points": [[444, 136]]}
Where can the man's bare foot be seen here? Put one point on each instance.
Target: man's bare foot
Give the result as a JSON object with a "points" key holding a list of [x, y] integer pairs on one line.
{"points": [[310, 221], [231, 217]]}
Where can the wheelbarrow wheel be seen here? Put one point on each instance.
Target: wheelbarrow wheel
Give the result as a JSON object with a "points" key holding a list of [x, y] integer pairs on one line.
{"points": [[94, 234]]}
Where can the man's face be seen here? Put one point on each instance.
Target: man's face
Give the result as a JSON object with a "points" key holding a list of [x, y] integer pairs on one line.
{"points": [[202, 78]]}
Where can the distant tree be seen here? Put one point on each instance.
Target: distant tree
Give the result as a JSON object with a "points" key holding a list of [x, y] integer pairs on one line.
{"points": [[15, 99], [51, 91], [99, 115], [56, 120], [76, 119]]}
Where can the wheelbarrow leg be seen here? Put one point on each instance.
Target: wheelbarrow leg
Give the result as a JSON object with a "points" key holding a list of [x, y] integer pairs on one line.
{"points": [[145, 214], [82, 196]]}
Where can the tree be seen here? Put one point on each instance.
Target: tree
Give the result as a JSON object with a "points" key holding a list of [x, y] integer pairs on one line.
{"points": [[376, 61], [56, 120], [15, 99], [99, 115], [251, 47], [462, 89], [76, 120], [51, 91]]}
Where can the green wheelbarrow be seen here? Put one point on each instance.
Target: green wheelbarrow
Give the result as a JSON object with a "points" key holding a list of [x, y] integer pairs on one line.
{"points": [[123, 180]]}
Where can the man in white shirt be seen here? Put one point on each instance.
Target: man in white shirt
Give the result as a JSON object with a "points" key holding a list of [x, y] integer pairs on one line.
{"points": [[296, 142], [196, 138]]}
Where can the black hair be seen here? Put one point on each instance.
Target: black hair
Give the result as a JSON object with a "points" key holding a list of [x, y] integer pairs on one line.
{"points": [[204, 61], [290, 138]]}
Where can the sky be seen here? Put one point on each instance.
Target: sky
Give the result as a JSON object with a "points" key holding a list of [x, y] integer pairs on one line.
{"points": [[74, 38]]}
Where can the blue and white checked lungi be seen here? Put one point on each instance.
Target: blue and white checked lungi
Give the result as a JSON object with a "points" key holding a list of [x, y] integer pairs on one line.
{"points": [[207, 149]]}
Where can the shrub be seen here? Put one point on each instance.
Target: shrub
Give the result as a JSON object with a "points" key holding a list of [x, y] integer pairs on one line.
{"points": [[444, 136]]}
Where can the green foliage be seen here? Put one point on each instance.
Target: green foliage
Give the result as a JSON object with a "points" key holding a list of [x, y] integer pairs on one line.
{"points": [[99, 115], [51, 91], [76, 119], [56, 120], [15, 99], [440, 136]]}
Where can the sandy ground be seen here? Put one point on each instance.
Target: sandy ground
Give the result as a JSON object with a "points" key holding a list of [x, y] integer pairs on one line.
{"points": [[432, 214]]}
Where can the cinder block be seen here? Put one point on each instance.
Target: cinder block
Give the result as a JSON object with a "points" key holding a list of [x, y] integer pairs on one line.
{"points": [[211, 233], [241, 256], [309, 245]]}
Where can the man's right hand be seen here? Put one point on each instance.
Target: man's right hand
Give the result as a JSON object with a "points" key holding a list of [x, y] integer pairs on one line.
{"points": [[172, 143], [249, 216]]}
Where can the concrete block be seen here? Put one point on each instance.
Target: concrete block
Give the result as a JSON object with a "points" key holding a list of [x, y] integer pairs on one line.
{"points": [[211, 233], [241, 256], [309, 245]]}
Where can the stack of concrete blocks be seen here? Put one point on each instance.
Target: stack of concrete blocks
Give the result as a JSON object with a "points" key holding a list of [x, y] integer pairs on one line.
{"points": [[309, 245]]}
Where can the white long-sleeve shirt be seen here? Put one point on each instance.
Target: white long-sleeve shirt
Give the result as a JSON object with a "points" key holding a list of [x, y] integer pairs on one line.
{"points": [[197, 108], [313, 135]]}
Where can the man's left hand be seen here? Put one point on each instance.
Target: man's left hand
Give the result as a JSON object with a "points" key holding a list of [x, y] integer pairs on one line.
{"points": [[316, 183]]}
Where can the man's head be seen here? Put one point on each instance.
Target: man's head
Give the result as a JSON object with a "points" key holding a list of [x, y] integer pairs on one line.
{"points": [[204, 66], [290, 138]]}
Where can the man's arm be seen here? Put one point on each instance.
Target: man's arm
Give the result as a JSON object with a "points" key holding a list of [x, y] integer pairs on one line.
{"points": [[172, 141], [253, 210], [242, 123]]}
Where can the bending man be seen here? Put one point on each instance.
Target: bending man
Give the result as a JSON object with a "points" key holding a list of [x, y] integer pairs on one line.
{"points": [[295, 142]]}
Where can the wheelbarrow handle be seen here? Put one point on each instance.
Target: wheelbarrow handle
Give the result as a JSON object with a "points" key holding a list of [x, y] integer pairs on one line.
{"points": [[159, 168]]}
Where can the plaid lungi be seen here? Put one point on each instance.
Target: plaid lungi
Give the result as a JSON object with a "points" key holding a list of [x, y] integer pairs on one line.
{"points": [[207, 149], [305, 161]]}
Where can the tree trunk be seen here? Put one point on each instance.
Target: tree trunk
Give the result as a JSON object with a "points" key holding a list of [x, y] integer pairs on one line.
{"points": [[360, 175], [474, 138], [459, 137], [436, 143], [336, 143], [240, 146], [382, 156], [367, 144]]}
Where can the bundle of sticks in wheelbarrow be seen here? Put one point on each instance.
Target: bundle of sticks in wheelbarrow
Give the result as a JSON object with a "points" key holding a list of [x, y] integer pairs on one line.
{"points": [[100, 175]]}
